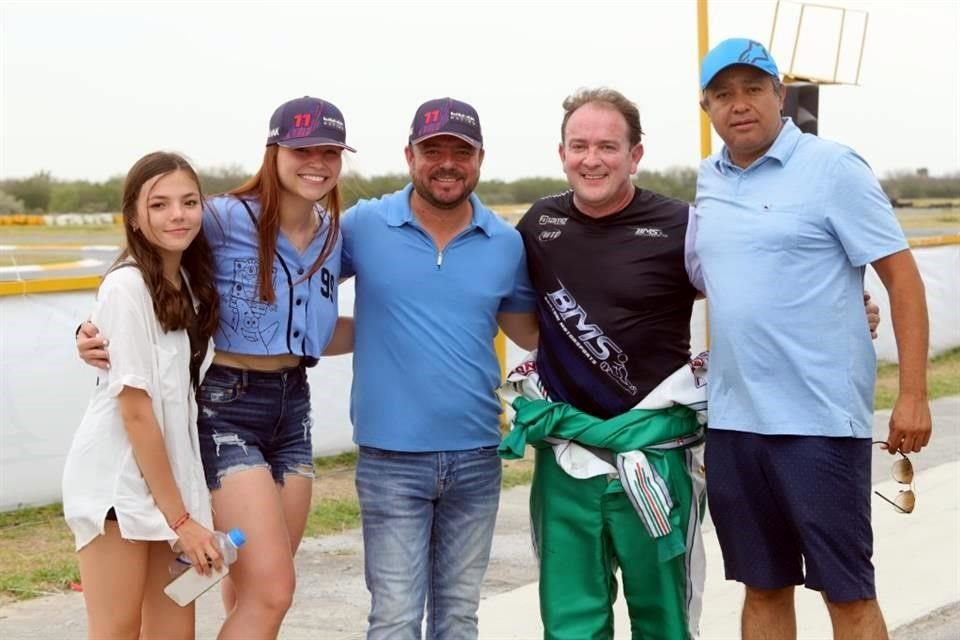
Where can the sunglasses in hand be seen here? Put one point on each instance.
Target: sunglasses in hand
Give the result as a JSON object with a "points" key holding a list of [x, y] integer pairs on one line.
{"points": [[902, 472]]}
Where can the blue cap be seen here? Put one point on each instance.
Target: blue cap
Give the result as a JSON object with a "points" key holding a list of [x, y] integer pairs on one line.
{"points": [[736, 51], [236, 537]]}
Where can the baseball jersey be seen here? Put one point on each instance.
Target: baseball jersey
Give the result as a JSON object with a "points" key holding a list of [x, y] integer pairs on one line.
{"points": [[302, 318]]}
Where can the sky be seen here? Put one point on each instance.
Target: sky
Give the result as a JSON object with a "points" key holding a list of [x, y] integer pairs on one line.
{"points": [[86, 88]]}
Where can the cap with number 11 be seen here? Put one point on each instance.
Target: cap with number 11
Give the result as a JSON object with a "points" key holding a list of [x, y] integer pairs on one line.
{"points": [[308, 122]]}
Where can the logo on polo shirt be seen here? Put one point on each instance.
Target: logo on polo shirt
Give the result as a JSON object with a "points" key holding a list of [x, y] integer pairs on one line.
{"points": [[649, 232], [547, 236]]}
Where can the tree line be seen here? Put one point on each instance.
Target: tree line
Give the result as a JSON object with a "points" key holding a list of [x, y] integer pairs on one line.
{"points": [[43, 193]]}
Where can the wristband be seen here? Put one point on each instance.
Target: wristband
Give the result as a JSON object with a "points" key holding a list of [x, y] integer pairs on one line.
{"points": [[180, 521]]}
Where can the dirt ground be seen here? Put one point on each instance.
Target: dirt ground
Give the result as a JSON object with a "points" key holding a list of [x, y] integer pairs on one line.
{"points": [[334, 483]]}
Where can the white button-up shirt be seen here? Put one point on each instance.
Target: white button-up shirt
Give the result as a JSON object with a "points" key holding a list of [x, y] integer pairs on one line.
{"points": [[101, 471]]}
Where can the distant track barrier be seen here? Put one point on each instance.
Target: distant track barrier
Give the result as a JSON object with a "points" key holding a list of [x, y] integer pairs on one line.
{"points": [[59, 219]]}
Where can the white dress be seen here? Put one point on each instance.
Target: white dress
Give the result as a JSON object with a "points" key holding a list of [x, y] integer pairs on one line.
{"points": [[101, 471]]}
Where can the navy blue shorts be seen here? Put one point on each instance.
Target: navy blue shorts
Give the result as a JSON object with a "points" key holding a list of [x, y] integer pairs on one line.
{"points": [[792, 510], [254, 419]]}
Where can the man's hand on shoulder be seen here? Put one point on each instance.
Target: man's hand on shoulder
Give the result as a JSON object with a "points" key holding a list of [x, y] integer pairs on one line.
{"points": [[873, 314]]}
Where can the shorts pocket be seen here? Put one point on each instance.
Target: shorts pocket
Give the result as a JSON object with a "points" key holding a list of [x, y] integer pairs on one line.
{"points": [[214, 391], [486, 452]]}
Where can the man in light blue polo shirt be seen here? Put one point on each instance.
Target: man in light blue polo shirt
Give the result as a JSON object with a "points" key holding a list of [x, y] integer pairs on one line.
{"points": [[436, 272], [785, 224]]}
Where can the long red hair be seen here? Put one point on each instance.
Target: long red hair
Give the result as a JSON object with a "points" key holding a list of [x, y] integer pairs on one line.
{"points": [[197, 260], [266, 188]]}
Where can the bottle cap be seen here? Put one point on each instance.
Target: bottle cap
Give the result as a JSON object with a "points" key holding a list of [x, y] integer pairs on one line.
{"points": [[236, 537]]}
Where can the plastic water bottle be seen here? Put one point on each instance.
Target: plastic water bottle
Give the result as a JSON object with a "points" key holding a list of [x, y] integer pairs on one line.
{"points": [[227, 543], [189, 584]]}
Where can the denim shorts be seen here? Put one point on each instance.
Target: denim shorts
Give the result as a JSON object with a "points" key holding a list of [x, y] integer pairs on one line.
{"points": [[254, 419]]}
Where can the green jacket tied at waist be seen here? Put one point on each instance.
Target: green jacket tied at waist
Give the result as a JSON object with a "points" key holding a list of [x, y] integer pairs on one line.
{"points": [[638, 429], [650, 432]]}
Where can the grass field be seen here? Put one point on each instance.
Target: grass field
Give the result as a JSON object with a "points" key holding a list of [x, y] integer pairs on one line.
{"points": [[930, 219]]}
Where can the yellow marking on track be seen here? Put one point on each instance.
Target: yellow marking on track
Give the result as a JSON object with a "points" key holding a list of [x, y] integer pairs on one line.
{"points": [[49, 285]]}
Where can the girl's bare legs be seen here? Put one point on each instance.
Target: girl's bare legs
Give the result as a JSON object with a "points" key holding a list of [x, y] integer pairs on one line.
{"points": [[263, 576], [162, 618], [113, 572], [123, 584], [295, 497]]}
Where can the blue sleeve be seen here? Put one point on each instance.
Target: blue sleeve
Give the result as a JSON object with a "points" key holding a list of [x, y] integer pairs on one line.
{"points": [[348, 225], [523, 298], [859, 213], [215, 220], [690, 259]]}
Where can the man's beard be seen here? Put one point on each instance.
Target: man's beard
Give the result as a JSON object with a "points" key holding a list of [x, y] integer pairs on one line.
{"points": [[423, 190]]}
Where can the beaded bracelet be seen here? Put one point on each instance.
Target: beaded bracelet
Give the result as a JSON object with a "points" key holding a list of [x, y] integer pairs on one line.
{"points": [[182, 519]]}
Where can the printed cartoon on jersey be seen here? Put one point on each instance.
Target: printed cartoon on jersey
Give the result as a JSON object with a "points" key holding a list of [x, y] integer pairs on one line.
{"points": [[245, 309]]}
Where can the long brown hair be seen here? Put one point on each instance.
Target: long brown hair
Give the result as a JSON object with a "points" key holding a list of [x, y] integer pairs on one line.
{"points": [[265, 186], [169, 304]]}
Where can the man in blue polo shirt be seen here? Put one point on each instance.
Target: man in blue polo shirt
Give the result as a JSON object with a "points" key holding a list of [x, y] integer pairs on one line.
{"points": [[436, 272], [785, 224]]}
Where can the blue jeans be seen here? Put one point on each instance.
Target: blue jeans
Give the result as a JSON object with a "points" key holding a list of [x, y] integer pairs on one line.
{"points": [[254, 419], [428, 522]]}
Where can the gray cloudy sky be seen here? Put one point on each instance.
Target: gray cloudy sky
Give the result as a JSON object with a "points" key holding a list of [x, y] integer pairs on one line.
{"points": [[88, 87]]}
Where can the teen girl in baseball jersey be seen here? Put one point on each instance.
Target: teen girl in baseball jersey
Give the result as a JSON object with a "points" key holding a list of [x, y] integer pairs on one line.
{"points": [[133, 473], [276, 247]]}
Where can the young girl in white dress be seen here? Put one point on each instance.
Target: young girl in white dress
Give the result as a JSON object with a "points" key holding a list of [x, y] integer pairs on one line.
{"points": [[133, 484]]}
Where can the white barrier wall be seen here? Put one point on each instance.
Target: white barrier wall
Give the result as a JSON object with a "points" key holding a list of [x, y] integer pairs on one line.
{"points": [[940, 268], [44, 388]]}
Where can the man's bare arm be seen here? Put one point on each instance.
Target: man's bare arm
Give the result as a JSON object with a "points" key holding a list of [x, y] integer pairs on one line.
{"points": [[342, 340], [910, 422], [521, 328]]}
